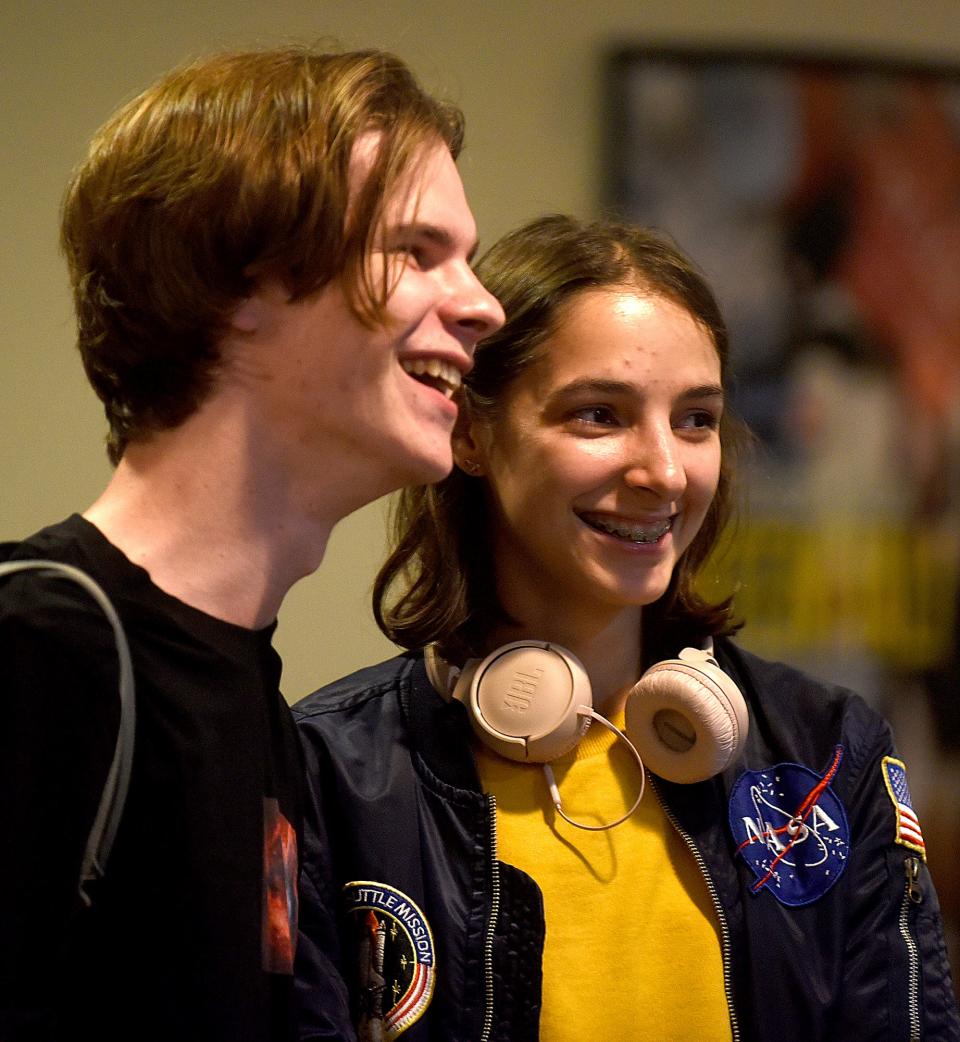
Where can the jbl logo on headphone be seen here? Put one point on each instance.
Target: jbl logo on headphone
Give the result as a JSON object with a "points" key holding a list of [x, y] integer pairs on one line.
{"points": [[521, 691]]}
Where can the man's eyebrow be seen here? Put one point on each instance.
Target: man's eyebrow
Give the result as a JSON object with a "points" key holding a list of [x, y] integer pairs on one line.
{"points": [[432, 232]]}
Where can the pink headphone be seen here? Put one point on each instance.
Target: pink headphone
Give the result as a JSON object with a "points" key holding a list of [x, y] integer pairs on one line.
{"points": [[531, 701]]}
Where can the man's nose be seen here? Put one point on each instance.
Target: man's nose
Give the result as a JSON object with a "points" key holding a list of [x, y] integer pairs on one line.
{"points": [[473, 308]]}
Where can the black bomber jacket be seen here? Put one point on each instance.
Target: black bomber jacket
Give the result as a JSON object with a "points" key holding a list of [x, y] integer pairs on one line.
{"points": [[409, 924]]}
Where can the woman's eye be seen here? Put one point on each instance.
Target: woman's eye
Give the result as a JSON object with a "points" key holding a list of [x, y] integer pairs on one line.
{"points": [[700, 419], [596, 415]]}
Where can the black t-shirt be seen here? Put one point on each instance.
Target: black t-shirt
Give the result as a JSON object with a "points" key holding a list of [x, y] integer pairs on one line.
{"points": [[190, 933]]}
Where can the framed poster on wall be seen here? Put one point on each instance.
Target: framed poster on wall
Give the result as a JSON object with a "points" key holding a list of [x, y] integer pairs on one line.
{"points": [[821, 197]]}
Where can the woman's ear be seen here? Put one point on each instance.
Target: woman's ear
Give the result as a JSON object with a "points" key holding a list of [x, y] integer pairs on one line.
{"points": [[467, 441]]}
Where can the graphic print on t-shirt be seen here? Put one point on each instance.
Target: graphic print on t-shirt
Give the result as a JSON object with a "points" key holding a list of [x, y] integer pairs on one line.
{"points": [[279, 889]]}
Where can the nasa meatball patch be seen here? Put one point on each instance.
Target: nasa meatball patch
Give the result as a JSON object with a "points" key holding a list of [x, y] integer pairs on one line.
{"points": [[791, 829], [394, 959]]}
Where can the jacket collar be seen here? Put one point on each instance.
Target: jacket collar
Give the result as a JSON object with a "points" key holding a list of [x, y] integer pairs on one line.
{"points": [[439, 731]]}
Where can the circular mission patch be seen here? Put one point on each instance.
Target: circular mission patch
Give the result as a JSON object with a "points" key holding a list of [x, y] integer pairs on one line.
{"points": [[791, 829], [393, 956]]}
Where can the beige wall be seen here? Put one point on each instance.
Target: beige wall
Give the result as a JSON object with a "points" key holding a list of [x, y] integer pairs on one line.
{"points": [[527, 75]]}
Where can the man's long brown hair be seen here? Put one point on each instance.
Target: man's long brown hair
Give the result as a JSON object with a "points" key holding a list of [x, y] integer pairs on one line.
{"points": [[232, 169]]}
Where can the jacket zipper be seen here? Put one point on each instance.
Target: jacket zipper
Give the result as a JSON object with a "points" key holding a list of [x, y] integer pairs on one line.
{"points": [[492, 923], [725, 948], [912, 894]]}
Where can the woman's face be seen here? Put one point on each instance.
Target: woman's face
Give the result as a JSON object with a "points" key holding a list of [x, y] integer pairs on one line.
{"points": [[604, 459]]}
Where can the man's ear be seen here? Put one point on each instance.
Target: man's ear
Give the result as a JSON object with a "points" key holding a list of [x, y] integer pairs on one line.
{"points": [[247, 316], [257, 311]]}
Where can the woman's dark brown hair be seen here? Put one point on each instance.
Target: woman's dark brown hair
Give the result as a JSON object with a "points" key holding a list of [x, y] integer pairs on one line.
{"points": [[438, 583]]}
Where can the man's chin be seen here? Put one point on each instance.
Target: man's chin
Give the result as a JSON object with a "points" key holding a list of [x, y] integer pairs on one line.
{"points": [[433, 471], [424, 468]]}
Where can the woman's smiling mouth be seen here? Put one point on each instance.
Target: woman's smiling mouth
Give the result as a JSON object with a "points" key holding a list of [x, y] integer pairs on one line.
{"points": [[630, 531]]}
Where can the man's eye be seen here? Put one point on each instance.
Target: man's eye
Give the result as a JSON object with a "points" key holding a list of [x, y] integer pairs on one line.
{"points": [[410, 253]]}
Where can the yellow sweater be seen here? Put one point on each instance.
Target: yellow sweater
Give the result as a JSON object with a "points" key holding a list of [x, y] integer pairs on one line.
{"points": [[632, 944]]}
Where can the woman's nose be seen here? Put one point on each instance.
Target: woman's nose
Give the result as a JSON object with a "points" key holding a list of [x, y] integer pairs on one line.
{"points": [[656, 464]]}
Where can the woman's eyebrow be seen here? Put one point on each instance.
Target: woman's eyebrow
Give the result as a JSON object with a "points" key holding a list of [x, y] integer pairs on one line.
{"points": [[590, 385], [704, 391], [594, 385]]}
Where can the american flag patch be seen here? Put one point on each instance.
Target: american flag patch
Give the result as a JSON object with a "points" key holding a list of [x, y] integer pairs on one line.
{"points": [[908, 824]]}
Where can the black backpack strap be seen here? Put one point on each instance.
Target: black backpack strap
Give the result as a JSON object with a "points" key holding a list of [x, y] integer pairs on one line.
{"points": [[104, 830]]}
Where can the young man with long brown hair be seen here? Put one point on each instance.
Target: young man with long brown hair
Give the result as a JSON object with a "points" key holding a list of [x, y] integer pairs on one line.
{"points": [[269, 253]]}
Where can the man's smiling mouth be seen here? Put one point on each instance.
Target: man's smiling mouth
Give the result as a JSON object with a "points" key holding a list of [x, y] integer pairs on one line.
{"points": [[435, 373], [631, 531]]}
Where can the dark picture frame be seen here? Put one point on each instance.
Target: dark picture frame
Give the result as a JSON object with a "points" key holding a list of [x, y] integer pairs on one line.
{"points": [[820, 194]]}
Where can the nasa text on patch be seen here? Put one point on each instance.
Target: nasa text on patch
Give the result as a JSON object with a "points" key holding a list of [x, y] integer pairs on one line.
{"points": [[908, 831], [791, 829]]}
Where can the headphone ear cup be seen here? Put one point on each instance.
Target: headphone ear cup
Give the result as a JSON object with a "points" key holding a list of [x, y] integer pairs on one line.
{"points": [[687, 718], [524, 700]]}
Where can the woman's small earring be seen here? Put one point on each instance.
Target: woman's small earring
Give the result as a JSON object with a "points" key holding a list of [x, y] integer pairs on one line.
{"points": [[471, 466]]}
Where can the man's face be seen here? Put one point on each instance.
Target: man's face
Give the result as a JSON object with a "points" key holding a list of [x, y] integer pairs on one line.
{"points": [[373, 407]]}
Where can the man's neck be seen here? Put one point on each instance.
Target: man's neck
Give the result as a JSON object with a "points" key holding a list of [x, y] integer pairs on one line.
{"points": [[208, 532]]}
